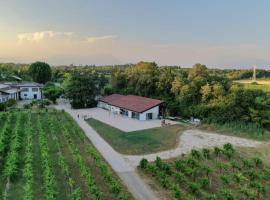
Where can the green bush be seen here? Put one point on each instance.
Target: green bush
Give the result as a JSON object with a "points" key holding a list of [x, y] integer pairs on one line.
{"points": [[11, 102]]}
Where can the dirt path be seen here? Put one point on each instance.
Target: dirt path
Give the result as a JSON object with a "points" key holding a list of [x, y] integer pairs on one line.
{"points": [[127, 173], [191, 139]]}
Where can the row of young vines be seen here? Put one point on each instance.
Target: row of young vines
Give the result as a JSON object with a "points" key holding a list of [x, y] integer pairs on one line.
{"points": [[114, 185], [48, 175], [75, 192], [45, 155]]}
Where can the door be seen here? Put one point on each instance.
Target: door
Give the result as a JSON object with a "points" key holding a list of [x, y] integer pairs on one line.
{"points": [[149, 115], [35, 96]]}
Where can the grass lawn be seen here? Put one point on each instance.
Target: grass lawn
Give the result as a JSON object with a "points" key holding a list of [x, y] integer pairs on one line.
{"points": [[139, 142]]}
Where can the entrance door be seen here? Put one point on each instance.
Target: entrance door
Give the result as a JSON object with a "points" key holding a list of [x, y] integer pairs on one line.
{"points": [[149, 116], [35, 96]]}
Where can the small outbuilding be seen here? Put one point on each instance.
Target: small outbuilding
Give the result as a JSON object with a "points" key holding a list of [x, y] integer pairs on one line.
{"points": [[131, 106]]}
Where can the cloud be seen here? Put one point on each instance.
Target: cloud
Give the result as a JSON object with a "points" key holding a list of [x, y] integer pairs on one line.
{"points": [[38, 36], [96, 39]]}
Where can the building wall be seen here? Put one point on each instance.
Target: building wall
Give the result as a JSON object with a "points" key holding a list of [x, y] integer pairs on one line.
{"points": [[154, 111], [30, 93], [142, 116]]}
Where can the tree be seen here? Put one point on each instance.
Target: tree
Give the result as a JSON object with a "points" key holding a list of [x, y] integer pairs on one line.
{"points": [[206, 92], [84, 88], [52, 92], [40, 72]]}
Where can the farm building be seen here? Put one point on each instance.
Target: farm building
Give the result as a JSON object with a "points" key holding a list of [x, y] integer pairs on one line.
{"points": [[20, 91], [136, 107]]}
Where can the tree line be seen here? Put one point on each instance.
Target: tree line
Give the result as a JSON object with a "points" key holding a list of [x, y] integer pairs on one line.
{"points": [[195, 92]]}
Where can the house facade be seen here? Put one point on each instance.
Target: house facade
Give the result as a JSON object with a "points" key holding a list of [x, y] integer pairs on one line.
{"points": [[131, 106], [20, 91]]}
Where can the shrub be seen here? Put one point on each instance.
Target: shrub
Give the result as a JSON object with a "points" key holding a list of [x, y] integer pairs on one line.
{"points": [[193, 188], [206, 153], [11, 102], [181, 178], [225, 179], [203, 182], [226, 194], [217, 151], [195, 154], [258, 162], [143, 163]]}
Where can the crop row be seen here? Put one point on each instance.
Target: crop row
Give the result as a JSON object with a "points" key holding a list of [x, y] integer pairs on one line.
{"points": [[85, 171], [211, 171], [75, 193], [12, 159], [4, 137], [48, 175], [28, 160], [109, 178]]}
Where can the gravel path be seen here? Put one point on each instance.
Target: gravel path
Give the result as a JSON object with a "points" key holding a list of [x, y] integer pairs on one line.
{"points": [[127, 173], [191, 139]]}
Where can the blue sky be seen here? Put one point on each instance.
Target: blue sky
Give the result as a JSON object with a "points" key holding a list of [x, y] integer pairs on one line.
{"points": [[223, 33]]}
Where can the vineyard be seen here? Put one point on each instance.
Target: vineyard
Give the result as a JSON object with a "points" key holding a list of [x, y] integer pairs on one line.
{"points": [[209, 174], [45, 155]]}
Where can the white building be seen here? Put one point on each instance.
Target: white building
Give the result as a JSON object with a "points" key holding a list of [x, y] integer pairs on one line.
{"points": [[30, 90], [20, 91], [8, 92], [137, 107]]}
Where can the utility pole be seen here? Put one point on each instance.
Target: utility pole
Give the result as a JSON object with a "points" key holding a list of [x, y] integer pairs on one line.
{"points": [[254, 74]]}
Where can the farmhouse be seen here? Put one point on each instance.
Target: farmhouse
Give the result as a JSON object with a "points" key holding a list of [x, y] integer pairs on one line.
{"points": [[136, 107], [20, 91]]}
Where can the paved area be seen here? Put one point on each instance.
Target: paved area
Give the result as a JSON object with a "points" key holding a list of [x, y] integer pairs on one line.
{"points": [[118, 121], [191, 139], [127, 173]]}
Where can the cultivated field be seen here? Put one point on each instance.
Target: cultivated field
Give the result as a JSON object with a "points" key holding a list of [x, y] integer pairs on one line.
{"points": [[45, 155], [260, 84], [221, 173]]}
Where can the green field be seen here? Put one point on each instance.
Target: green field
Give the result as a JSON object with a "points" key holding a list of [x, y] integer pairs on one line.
{"points": [[209, 174], [261, 84], [139, 142], [45, 155]]}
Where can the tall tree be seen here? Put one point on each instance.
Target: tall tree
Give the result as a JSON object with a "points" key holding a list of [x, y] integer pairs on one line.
{"points": [[83, 88], [40, 72]]}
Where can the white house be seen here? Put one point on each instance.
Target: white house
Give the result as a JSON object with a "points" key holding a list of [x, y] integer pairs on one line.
{"points": [[137, 107], [30, 90], [20, 91]]}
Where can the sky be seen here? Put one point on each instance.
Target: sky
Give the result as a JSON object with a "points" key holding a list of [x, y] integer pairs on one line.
{"points": [[223, 34]]}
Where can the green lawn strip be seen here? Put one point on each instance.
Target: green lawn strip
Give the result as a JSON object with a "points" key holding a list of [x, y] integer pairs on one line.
{"points": [[139, 142], [107, 178]]}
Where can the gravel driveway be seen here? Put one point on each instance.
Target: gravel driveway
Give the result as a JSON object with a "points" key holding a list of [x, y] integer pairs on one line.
{"points": [[118, 121], [129, 176], [191, 139]]}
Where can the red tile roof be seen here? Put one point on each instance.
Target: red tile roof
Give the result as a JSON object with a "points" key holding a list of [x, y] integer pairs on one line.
{"points": [[131, 102]]}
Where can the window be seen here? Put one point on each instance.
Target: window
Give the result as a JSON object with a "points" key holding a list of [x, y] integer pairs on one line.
{"points": [[25, 95], [34, 89], [25, 89]]}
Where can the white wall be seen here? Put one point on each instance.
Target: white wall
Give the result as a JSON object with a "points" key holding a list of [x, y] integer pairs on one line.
{"points": [[142, 116], [154, 111], [30, 93]]}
